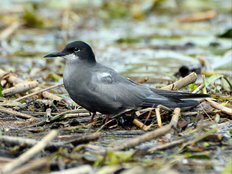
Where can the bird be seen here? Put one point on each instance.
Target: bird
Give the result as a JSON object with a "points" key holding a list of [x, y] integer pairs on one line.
{"points": [[98, 88]]}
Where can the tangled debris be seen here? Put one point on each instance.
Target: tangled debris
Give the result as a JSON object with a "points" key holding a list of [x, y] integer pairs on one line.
{"points": [[42, 131], [189, 134]]}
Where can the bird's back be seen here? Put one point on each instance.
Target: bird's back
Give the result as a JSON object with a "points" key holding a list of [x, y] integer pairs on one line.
{"points": [[106, 91], [99, 88]]}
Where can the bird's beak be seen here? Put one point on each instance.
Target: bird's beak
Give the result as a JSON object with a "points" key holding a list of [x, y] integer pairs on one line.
{"points": [[55, 54]]}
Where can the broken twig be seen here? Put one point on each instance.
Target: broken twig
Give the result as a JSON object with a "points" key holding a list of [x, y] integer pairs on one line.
{"points": [[150, 135], [37, 92], [20, 87], [14, 80], [11, 166], [191, 78], [139, 124], [198, 89], [15, 113], [39, 163], [10, 30], [167, 145], [84, 139], [224, 109]]}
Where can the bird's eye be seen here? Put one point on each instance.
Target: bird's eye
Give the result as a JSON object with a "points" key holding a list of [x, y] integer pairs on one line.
{"points": [[76, 49]]}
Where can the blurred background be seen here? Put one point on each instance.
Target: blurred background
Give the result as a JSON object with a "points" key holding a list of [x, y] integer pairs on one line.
{"points": [[146, 40]]}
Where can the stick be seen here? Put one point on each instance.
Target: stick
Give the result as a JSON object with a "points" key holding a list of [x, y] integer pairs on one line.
{"points": [[28, 141], [17, 140], [14, 80], [199, 16], [149, 114], [164, 108], [49, 95], [10, 30], [139, 124], [224, 109], [175, 117], [166, 145], [20, 87], [150, 135], [5, 159], [10, 77], [40, 163], [199, 138], [15, 113], [77, 115], [198, 89], [157, 112], [58, 116], [142, 111], [84, 139], [191, 78], [37, 92], [11, 166], [121, 133]]}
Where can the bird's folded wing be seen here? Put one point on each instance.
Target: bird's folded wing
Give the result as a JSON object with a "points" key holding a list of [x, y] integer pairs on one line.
{"points": [[116, 88], [178, 95]]}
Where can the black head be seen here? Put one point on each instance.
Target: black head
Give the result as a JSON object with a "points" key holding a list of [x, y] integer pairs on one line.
{"points": [[76, 50]]}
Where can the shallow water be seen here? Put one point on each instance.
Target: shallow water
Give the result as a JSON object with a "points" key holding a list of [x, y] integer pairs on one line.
{"points": [[153, 47]]}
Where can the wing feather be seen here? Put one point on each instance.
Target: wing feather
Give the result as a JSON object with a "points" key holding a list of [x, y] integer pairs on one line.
{"points": [[119, 89]]}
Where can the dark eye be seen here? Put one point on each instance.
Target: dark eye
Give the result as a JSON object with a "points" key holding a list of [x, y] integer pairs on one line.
{"points": [[76, 49]]}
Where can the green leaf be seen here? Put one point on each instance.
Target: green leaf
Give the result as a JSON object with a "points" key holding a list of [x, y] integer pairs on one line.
{"points": [[32, 18], [187, 154], [206, 144], [119, 157], [55, 76], [0, 90], [227, 33], [226, 85], [192, 87], [200, 156], [203, 83], [100, 161], [212, 79], [230, 131], [197, 156]]}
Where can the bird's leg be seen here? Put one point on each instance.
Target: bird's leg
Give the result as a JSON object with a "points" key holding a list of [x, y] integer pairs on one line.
{"points": [[92, 117], [107, 118]]}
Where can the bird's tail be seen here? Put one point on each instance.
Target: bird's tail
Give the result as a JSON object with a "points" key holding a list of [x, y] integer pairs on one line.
{"points": [[178, 95], [176, 99]]}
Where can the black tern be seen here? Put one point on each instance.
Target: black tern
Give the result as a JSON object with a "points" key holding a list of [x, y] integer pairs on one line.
{"points": [[98, 88]]}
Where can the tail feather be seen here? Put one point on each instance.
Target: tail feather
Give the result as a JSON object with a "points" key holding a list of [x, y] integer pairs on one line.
{"points": [[175, 99], [170, 103], [178, 95]]}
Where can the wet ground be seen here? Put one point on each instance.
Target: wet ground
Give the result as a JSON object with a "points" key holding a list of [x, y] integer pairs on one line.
{"points": [[147, 42]]}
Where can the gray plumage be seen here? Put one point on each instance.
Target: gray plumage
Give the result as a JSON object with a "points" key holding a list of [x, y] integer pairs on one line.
{"points": [[99, 88]]}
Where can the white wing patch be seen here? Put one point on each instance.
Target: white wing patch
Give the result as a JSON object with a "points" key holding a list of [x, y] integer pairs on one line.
{"points": [[104, 74], [104, 77]]}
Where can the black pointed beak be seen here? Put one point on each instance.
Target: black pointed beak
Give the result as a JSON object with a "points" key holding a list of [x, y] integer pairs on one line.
{"points": [[55, 54]]}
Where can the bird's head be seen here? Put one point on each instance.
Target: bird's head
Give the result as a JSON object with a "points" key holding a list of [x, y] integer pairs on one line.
{"points": [[75, 51]]}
